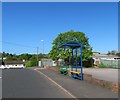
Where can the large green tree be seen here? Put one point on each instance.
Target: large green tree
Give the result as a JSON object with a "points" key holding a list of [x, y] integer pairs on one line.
{"points": [[56, 53]]}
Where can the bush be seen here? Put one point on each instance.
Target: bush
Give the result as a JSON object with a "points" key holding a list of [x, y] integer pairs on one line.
{"points": [[102, 66], [31, 63], [105, 66]]}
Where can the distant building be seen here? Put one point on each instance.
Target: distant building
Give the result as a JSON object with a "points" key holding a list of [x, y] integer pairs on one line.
{"points": [[101, 58], [13, 64], [46, 62], [3, 58], [60, 62], [96, 53], [54, 63]]}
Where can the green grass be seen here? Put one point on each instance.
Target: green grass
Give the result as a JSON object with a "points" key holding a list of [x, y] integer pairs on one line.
{"points": [[56, 66], [100, 66]]}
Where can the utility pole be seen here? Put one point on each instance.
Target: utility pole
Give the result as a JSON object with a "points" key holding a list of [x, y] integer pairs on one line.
{"points": [[2, 60], [37, 57]]}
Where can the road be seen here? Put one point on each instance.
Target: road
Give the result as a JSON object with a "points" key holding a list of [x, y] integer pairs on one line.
{"points": [[0, 84], [46, 83], [28, 83]]}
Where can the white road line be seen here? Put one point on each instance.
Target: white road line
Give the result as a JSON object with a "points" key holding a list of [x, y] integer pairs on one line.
{"points": [[57, 85], [0, 77]]}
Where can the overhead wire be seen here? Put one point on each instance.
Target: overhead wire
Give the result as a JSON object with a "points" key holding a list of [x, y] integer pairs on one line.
{"points": [[16, 44]]}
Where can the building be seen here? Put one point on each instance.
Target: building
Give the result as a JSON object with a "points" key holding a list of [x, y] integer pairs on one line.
{"points": [[107, 60], [12, 64], [60, 62], [46, 62], [3, 58], [96, 53]]}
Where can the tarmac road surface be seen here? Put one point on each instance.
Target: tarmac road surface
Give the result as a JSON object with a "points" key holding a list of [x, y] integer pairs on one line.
{"points": [[0, 84], [28, 83], [46, 83]]}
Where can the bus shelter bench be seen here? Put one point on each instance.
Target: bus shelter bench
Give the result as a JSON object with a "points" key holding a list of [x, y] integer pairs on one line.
{"points": [[76, 75], [63, 70]]}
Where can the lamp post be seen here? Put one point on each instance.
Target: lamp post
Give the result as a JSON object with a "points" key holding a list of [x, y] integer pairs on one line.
{"points": [[43, 52], [43, 45]]}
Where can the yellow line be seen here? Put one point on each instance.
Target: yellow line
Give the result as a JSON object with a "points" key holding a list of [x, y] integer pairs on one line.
{"points": [[58, 85]]}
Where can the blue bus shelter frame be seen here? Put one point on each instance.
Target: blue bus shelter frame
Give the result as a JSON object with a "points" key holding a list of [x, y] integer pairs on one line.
{"points": [[75, 45]]}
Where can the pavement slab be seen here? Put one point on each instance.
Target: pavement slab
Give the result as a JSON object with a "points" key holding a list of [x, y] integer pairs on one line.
{"points": [[80, 89]]}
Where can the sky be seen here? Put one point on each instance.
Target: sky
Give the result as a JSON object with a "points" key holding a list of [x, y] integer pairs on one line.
{"points": [[25, 24]]}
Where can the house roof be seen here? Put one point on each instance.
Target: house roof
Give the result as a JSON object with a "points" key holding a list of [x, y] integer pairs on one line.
{"points": [[105, 56], [96, 52], [13, 62]]}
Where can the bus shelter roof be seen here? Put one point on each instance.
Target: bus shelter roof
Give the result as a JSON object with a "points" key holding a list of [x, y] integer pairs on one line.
{"points": [[71, 44]]}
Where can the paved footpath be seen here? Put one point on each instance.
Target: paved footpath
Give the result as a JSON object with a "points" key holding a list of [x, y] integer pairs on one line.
{"points": [[107, 74], [80, 89]]}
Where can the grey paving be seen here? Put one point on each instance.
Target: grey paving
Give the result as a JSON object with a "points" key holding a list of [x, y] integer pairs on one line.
{"points": [[80, 89], [107, 74], [27, 83]]}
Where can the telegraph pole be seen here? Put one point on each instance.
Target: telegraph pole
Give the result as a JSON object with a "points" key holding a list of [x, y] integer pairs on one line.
{"points": [[2, 60], [37, 57]]}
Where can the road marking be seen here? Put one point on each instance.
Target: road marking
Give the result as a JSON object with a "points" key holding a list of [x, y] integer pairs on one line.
{"points": [[0, 77], [57, 84]]}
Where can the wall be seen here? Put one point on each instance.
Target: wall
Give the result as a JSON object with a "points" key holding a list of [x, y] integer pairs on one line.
{"points": [[110, 63], [14, 66]]}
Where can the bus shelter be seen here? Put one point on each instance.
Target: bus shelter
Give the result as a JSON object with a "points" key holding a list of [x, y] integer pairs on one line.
{"points": [[75, 59]]}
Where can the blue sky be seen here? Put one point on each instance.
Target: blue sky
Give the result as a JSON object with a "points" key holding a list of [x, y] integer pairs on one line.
{"points": [[28, 23]]}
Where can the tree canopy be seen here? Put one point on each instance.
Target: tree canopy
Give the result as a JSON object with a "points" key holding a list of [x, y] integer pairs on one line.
{"points": [[56, 53]]}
